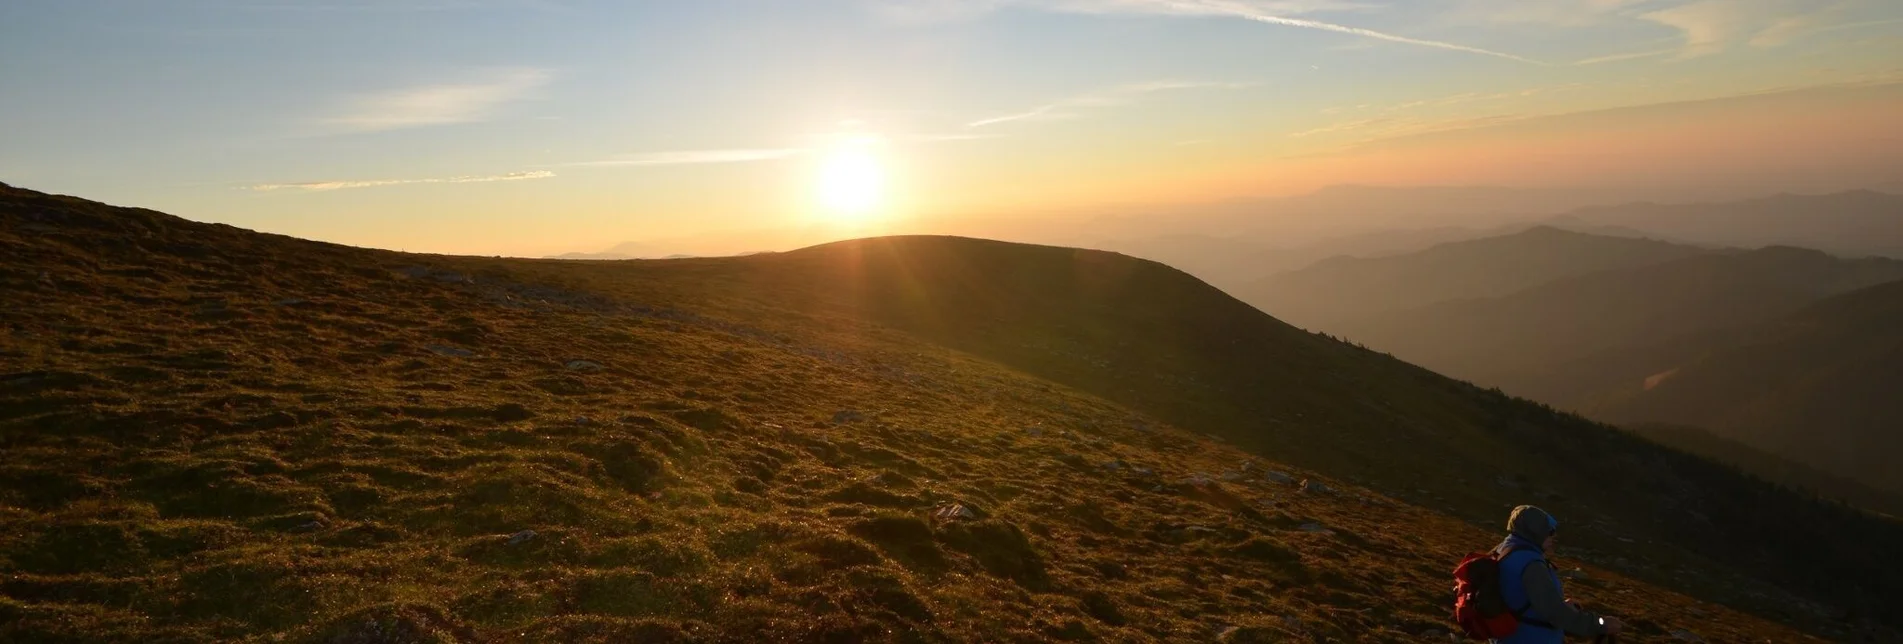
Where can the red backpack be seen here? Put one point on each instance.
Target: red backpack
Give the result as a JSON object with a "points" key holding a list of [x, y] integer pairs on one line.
{"points": [[1479, 607]]}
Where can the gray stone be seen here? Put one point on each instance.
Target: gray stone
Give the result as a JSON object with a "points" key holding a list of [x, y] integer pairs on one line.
{"points": [[581, 365], [954, 512], [522, 537]]}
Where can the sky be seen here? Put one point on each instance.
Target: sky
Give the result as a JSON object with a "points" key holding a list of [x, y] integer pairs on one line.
{"points": [[535, 127]]}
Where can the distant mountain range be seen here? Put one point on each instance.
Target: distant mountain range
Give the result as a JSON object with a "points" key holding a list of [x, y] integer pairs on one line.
{"points": [[1850, 224], [1508, 340], [1787, 350], [1352, 290]]}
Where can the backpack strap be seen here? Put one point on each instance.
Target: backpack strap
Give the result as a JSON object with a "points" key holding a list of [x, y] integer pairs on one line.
{"points": [[1520, 613]]}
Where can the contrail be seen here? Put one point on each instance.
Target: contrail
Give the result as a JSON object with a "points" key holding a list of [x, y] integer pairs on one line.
{"points": [[1377, 35], [1246, 12]]}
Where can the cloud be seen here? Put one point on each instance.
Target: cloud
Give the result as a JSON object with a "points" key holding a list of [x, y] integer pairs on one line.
{"points": [[1377, 35], [1121, 95], [1273, 12], [696, 157], [1561, 13], [439, 104], [1711, 26], [321, 186]]}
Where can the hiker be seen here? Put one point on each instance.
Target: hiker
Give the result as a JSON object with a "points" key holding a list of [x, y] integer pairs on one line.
{"points": [[1528, 580]]}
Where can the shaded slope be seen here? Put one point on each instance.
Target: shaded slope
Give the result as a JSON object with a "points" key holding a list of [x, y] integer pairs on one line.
{"points": [[1772, 467], [1349, 289], [1146, 336], [1819, 387], [1599, 328], [215, 434]]}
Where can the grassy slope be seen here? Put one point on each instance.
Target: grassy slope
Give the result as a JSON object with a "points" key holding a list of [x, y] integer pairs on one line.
{"points": [[1350, 289], [1818, 387], [214, 434], [1147, 336]]}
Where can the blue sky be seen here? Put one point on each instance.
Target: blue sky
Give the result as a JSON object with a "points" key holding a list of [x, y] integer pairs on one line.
{"points": [[529, 126]]}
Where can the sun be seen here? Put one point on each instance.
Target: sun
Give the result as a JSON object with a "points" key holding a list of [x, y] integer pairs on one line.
{"points": [[852, 181]]}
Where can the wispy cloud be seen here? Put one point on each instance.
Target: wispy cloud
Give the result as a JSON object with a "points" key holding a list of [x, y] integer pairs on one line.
{"points": [[439, 104], [1121, 95], [1712, 26], [696, 157], [321, 186], [1378, 35], [1274, 12]]}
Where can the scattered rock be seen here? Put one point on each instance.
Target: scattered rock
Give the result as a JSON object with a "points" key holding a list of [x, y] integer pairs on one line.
{"points": [[1575, 573], [1683, 635], [452, 352], [511, 412], [1116, 465], [1278, 477], [1034, 432], [1315, 528], [847, 416], [1434, 633], [522, 537], [311, 526], [954, 512], [581, 365], [1231, 476], [1311, 486]]}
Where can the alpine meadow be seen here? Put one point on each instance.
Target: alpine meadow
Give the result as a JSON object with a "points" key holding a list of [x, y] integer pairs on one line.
{"points": [[931, 321]]}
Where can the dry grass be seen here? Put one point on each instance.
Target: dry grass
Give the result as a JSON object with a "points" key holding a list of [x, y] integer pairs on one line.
{"points": [[215, 435]]}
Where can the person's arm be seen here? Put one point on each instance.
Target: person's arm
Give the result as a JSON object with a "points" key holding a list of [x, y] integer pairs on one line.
{"points": [[1542, 590]]}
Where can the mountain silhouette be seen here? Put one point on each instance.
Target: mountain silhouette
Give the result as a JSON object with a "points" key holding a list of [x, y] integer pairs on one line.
{"points": [[215, 434], [1852, 224], [1346, 289], [1600, 327]]}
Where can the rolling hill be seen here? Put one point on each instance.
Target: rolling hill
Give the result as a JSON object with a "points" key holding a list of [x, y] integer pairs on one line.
{"points": [[1852, 224], [1350, 289], [1571, 339], [1818, 387], [214, 434]]}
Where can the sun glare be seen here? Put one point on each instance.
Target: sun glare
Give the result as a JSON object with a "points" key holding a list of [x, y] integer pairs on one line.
{"points": [[852, 181]]}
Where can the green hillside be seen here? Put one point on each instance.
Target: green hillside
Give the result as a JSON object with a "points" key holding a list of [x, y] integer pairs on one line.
{"points": [[212, 434]]}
